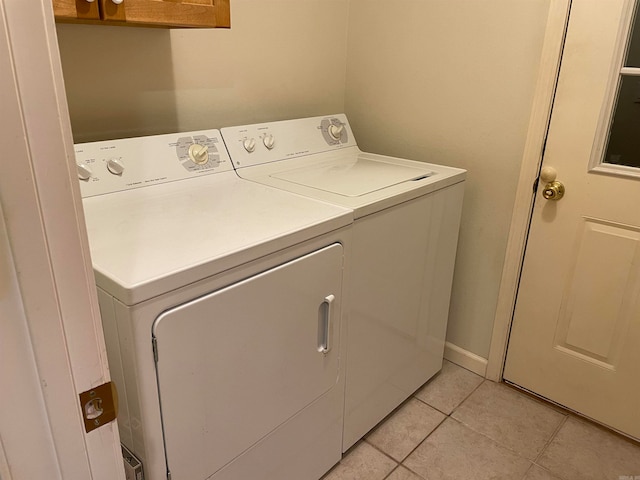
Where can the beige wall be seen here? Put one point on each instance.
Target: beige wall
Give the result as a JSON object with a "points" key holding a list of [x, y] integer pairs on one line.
{"points": [[281, 59], [447, 81], [452, 82]]}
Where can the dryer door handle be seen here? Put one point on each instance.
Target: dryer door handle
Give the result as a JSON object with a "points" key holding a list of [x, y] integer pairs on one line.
{"points": [[324, 324]]}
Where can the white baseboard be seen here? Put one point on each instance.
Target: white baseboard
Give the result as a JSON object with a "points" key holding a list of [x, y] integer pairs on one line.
{"points": [[465, 359]]}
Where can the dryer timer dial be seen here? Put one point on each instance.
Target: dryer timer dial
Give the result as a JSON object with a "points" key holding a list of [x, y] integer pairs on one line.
{"points": [[199, 153]]}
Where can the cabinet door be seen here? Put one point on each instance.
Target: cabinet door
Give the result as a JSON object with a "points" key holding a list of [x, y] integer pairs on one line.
{"points": [[76, 9], [178, 13]]}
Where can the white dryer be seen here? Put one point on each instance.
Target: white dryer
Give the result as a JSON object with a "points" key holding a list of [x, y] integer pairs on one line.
{"points": [[221, 301], [407, 217]]}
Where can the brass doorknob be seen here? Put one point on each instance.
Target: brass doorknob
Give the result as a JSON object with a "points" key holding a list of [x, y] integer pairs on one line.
{"points": [[553, 190]]}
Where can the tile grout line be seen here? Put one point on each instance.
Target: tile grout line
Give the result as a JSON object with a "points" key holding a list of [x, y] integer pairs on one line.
{"points": [[446, 416], [413, 396], [391, 472], [403, 466], [415, 473], [398, 463], [499, 444], [364, 439], [421, 442], [553, 436], [526, 474], [454, 408], [467, 397], [450, 415]]}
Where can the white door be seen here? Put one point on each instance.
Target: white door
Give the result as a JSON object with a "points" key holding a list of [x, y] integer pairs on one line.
{"points": [[576, 332]]}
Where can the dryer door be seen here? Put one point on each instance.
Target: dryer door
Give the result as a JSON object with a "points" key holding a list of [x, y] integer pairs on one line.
{"points": [[235, 365]]}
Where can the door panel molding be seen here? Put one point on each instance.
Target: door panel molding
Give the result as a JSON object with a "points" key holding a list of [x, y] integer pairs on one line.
{"points": [[590, 292]]}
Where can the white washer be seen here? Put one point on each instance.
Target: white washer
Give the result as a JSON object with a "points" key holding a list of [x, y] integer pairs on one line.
{"points": [[221, 302], [407, 216]]}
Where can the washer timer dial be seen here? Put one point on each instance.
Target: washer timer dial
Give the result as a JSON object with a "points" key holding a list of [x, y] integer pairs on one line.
{"points": [[334, 131]]}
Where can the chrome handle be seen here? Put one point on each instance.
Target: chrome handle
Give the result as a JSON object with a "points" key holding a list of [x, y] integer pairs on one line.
{"points": [[324, 324]]}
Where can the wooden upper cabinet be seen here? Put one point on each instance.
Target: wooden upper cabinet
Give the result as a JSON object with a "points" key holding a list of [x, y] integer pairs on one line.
{"points": [[178, 13], [167, 13], [76, 10]]}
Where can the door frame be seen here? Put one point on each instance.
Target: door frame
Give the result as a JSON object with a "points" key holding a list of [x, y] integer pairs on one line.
{"points": [[553, 44], [51, 340]]}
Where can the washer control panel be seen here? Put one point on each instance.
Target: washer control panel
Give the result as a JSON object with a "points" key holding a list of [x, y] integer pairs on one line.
{"points": [[269, 142], [116, 165]]}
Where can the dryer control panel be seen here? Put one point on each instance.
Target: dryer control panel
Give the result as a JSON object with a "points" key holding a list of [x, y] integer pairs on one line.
{"points": [[261, 143], [115, 165]]}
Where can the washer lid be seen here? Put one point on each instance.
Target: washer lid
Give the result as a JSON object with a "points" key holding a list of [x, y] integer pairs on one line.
{"points": [[149, 241], [354, 177]]}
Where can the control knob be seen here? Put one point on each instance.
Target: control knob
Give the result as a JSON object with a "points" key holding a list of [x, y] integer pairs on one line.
{"points": [[115, 166], [336, 131], [269, 141], [84, 172], [199, 153], [249, 144]]}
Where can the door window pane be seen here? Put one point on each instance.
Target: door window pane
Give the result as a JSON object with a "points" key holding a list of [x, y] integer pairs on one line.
{"points": [[623, 147], [633, 52], [624, 137]]}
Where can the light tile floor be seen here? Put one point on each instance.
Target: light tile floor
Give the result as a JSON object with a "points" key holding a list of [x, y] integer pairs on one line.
{"points": [[462, 427]]}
